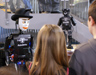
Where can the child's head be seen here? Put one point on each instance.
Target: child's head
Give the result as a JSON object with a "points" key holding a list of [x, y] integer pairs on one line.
{"points": [[51, 42], [51, 51], [92, 16]]}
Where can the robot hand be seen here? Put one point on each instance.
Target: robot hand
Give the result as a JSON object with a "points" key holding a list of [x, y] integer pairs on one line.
{"points": [[73, 22]]}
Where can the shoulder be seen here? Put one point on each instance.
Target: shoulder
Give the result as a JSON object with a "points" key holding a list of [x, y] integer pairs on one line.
{"points": [[81, 52], [86, 48], [83, 47]]}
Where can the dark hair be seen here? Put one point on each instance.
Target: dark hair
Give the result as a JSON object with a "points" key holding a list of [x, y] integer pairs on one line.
{"points": [[92, 10]]}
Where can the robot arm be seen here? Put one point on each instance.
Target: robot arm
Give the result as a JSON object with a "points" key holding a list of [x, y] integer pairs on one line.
{"points": [[31, 42], [59, 22], [73, 22], [7, 42], [7, 49]]}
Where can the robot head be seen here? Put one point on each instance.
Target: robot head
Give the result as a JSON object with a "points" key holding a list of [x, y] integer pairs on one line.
{"points": [[66, 12], [22, 17], [24, 23]]}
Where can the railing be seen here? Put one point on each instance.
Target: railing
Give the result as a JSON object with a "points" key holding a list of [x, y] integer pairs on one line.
{"points": [[81, 10], [6, 32]]}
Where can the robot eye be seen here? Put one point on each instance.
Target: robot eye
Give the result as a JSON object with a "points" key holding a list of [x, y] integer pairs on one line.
{"points": [[24, 22]]}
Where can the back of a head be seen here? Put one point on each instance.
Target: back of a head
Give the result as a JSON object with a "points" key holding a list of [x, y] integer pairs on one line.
{"points": [[92, 10], [50, 53]]}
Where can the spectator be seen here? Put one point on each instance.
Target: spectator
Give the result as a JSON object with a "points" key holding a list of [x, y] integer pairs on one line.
{"points": [[83, 60], [27, 4], [18, 4], [49, 6], [51, 55]]}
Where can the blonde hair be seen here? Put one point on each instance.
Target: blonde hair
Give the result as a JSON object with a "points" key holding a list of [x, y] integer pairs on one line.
{"points": [[51, 53]]}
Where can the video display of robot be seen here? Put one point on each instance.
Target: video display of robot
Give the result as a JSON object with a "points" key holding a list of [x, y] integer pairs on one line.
{"points": [[66, 21], [18, 47]]}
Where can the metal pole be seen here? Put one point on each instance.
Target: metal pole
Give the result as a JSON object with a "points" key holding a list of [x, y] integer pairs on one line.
{"points": [[35, 6], [65, 4], [70, 5], [6, 15], [88, 4], [0, 34]]}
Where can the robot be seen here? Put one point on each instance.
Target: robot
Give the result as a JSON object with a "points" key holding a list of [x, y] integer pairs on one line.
{"points": [[67, 22], [18, 47]]}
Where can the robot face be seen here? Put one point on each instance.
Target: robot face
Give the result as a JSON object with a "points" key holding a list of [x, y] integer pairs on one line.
{"points": [[24, 23], [66, 11]]}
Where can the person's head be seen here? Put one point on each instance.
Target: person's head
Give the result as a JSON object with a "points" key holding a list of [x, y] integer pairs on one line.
{"points": [[50, 54], [92, 18]]}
